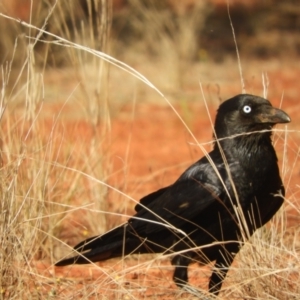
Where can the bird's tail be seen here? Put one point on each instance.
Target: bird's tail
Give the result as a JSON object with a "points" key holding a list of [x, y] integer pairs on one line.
{"points": [[98, 248]]}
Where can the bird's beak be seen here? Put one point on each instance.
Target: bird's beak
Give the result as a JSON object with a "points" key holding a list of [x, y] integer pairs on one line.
{"points": [[273, 116]]}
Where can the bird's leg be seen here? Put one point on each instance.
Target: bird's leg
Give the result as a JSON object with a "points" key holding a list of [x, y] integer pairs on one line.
{"points": [[181, 263], [219, 273], [180, 276]]}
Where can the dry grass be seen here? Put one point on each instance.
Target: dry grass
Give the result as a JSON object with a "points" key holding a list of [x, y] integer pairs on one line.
{"points": [[49, 174]]}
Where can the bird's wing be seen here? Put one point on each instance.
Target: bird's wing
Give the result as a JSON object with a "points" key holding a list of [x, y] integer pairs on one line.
{"points": [[197, 189], [145, 201]]}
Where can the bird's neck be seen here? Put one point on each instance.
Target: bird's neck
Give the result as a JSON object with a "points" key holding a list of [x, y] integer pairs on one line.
{"points": [[247, 148]]}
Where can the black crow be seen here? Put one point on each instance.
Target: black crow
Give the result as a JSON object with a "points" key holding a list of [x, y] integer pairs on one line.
{"points": [[214, 206]]}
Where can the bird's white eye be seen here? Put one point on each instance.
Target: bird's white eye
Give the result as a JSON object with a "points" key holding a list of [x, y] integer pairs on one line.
{"points": [[247, 109]]}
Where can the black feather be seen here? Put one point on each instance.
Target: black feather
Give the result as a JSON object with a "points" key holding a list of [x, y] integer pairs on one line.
{"points": [[200, 208]]}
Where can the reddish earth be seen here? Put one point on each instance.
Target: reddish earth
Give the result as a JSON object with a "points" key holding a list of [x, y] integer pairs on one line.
{"points": [[147, 152]]}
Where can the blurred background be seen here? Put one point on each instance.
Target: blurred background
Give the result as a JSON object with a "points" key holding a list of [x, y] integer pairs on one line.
{"points": [[83, 136], [168, 41], [200, 30]]}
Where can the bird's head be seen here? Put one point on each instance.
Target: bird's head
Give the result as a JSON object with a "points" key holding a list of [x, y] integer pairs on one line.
{"points": [[247, 113]]}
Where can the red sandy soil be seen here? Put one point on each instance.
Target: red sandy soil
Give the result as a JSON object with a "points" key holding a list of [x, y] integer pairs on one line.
{"points": [[159, 148]]}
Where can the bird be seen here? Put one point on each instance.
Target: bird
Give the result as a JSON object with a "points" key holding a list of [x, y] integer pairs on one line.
{"points": [[209, 212]]}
